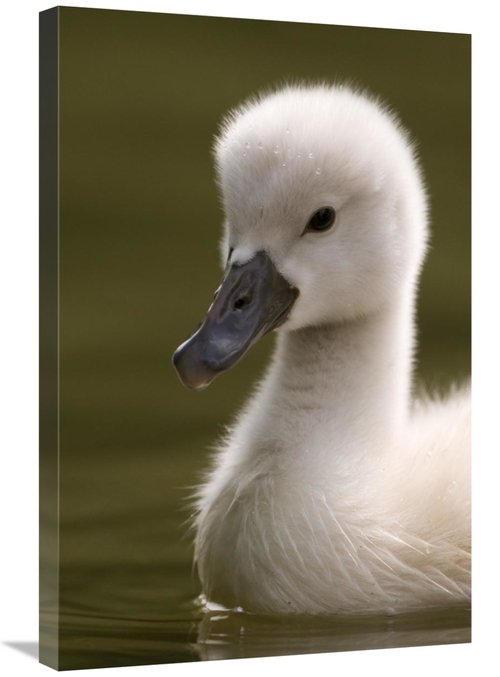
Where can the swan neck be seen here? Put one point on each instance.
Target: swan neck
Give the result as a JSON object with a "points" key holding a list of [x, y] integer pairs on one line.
{"points": [[353, 379]]}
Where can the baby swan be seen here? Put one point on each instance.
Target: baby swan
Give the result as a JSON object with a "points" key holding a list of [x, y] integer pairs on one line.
{"points": [[334, 492]]}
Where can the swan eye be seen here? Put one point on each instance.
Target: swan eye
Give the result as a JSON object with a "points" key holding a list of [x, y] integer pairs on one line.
{"points": [[321, 220]]}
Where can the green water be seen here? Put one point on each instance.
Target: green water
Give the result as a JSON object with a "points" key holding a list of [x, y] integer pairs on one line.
{"points": [[141, 96]]}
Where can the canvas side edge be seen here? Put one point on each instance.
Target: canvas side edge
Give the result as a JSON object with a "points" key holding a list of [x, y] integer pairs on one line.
{"points": [[49, 337]]}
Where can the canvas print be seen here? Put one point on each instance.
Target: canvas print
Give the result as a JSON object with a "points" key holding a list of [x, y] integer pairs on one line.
{"points": [[254, 338]]}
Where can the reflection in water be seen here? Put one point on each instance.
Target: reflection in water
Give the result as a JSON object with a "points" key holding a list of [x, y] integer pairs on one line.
{"points": [[89, 642], [229, 634]]}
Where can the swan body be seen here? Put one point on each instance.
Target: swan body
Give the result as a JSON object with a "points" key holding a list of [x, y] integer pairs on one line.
{"points": [[335, 491]]}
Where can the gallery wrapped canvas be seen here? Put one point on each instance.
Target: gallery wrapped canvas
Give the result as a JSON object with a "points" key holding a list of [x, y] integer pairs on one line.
{"points": [[344, 163]]}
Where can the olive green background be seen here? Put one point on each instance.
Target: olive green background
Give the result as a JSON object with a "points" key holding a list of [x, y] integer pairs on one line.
{"points": [[141, 96]]}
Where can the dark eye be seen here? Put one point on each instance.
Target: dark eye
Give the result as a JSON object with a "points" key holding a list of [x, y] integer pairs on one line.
{"points": [[321, 220]]}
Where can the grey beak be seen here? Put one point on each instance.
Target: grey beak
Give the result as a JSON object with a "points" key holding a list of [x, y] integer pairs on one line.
{"points": [[253, 299]]}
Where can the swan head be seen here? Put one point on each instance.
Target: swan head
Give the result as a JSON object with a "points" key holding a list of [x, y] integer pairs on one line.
{"points": [[325, 220]]}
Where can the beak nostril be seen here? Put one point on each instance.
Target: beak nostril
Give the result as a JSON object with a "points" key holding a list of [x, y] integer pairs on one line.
{"points": [[242, 302]]}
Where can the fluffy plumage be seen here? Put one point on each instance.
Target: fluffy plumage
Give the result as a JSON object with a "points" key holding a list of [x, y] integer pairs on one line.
{"points": [[334, 492]]}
